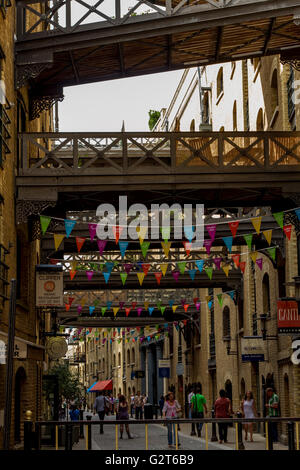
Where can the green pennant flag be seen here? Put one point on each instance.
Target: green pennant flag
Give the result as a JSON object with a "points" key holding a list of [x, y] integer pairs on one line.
{"points": [[181, 266], [158, 305], [248, 240], [272, 252], [103, 310], [101, 266], [162, 309], [165, 232], [209, 272], [45, 221], [123, 277], [144, 248], [220, 299], [278, 216], [96, 302]]}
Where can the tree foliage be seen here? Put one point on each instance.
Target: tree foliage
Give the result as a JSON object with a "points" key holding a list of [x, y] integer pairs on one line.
{"points": [[153, 118], [69, 387]]}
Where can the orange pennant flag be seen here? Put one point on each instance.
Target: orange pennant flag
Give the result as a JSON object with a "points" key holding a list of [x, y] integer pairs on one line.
{"points": [[117, 231], [72, 274], [158, 277], [186, 306], [57, 240], [79, 242], [68, 307], [242, 266], [187, 247], [236, 260]]}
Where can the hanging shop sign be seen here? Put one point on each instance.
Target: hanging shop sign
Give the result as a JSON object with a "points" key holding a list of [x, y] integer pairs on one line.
{"points": [[179, 368], [20, 349], [252, 349], [164, 368], [49, 289], [288, 317], [56, 347]]}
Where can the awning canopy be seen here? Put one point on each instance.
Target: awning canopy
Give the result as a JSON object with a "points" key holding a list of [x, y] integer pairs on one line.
{"points": [[100, 386]]}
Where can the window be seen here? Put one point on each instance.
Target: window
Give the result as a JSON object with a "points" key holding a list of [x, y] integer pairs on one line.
{"points": [[128, 356], [220, 84], [114, 360], [260, 120], [226, 322], [234, 117], [119, 359], [291, 104], [274, 93], [205, 110], [266, 294], [133, 356]]}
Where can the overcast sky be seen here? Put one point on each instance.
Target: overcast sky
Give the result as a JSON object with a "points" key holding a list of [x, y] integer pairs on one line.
{"points": [[103, 106]]}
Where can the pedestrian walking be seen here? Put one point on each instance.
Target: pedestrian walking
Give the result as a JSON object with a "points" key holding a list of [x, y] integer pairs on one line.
{"points": [[170, 411], [223, 410], [123, 414], [161, 405], [273, 410], [131, 405], [198, 402], [138, 405], [190, 396], [249, 411], [100, 406], [74, 413]]}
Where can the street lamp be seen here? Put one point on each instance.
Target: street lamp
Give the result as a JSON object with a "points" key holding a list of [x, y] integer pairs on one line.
{"points": [[227, 340], [263, 318]]}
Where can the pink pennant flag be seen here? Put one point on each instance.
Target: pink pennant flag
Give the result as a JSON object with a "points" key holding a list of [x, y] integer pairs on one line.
{"points": [[175, 274], [208, 244], [139, 311], [217, 262], [121, 305], [197, 305], [101, 245], [93, 230], [259, 263], [211, 230], [79, 309], [89, 274]]}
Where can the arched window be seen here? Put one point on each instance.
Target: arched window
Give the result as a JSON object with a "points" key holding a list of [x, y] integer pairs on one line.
{"points": [[205, 112], [114, 360], [119, 359], [243, 389], [128, 356], [228, 389], [274, 90], [266, 293], [226, 322], [234, 117], [220, 83], [192, 125], [129, 392], [260, 120], [103, 364], [133, 356]]}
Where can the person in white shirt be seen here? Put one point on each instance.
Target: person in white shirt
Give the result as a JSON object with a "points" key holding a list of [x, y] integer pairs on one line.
{"points": [[190, 396], [131, 405]]}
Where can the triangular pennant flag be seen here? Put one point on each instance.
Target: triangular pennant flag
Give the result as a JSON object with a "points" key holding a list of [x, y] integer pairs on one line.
{"points": [[123, 277], [278, 216], [83, 301], [175, 274], [236, 259], [297, 212], [89, 274], [268, 236], [272, 251], [158, 277], [253, 256], [91, 309], [69, 225], [164, 267], [127, 311], [208, 298], [259, 263], [233, 227], [158, 304], [142, 232], [162, 309], [106, 277], [248, 240], [181, 266], [146, 268], [220, 299], [109, 266], [79, 242], [183, 301], [187, 247], [71, 300], [146, 305], [217, 262], [117, 231], [144, 248], [211, 231], [231, 294], [174, 308], [166, 247], [127, 267], [171, 302], [101, 245], [72, 274], [133, 305], [44, 221], [200, 264], [109, 304], [243, 266], [195, 299], [74, 265], [103, 310], [210, 304], [139, 311], [288, 231], [192, 273], [186, 306], [141, 277], [121, 304], [92, 230], [256, 222], [197, 305], [189, 233], [228, 242], [57, 240], [115, 310], [151, 310], [79, 309], [226, 269], [123, 245], [165, 233], [209, 272], [208, 244]]}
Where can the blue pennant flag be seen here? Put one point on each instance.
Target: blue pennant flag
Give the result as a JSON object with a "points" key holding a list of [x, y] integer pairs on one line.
{"points": [[189, 233], [166, 325], [140, 265], [119, 329], [123, 247], [151, 309], [148, 338], [231, 293], [91, 309], [192, 273], [171, 303], [106, 277], [297, 211], [228, 242], [109, 304], [69, 225], [109, 266], [210, 304], [199, 264]]}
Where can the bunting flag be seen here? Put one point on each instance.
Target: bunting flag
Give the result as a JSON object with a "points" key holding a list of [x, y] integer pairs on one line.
{"points": [[183, 301], [103, 310], [140, 277], [254, 256], [146, 268], [117, 231], [91, 309], [127, 267], [162, 309], [69, 225], [208, 298], [195, 299], [171, 302], [89, 274], [109, 266], [197, 305], [79, 309], [174, 308], [164, 267], [106, 276], [210, 304], [297, 212], [181, 266], [109, 304], [123, 278], [67, 307], [71, 300], [96, 302], [187, 247], [278, 216], [211, 231], [165, 232], [217, 262], [268, 236], [208, 244], [233, 227], [192, 273], [243, 266], [186, 306], [101, 245], [248, 240], [226, 269], [83, 301], [175, 275], [236, 260], [142, 232], [288, 231], [121, 304], [231, 294], [133, 304], [166, 247], [158, 277], [92, 230], [151, 310], [123, 245], [44, 221], [79, 242], [200, 264], [256, 222], [259, 263], [272, 252], [220, 299], [127, 311], [189, 233], [146, 305], [72, 274], [228, 242], [209, 272], [158, 305], [144, 248], [58, 240], [139, 311]]}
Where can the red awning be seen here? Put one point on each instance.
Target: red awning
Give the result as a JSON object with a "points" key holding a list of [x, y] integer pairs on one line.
{"points": [[101, 385]]}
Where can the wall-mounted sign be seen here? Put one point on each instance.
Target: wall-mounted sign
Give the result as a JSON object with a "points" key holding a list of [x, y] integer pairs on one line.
{"points": [[288, 317], [295, 358], [56, 347], [252, 349], [179, 368], [49, 289], [164, 367], [20, 349]]}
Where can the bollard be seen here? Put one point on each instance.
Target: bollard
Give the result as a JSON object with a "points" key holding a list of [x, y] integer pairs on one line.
{"points": [[28, 425], [291, 435], [68, 437], [240, 432], [213, 428], [81, 434], [269, 435], [89, 418]]}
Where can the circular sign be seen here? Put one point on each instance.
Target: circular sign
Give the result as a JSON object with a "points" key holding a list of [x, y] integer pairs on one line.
{"points": [[56, 347], [179, 368], [49, 286]]}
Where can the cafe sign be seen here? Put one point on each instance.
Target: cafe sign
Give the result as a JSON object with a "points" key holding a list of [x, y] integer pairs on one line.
{"points": [[49, 289], [288, 318]]}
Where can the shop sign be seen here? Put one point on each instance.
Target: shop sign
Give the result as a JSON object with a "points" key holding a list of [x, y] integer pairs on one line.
{"points": [[252, 349], [288, 318], [164, 367], [49, 289]]}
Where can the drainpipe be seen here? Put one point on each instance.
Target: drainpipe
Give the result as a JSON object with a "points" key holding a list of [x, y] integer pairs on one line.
{"points": [[200, 95]]}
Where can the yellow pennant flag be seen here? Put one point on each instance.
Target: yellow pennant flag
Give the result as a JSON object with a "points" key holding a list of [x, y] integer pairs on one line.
{"points": [[256, 222], [105, 334], [253, 256], [146, 305], [115, 310], [141, 277], [74, 265], [174, 307], [208, 298], [164, 267], [142, 231], [268, 236], [166, 247], [226, 270], [83, 301], [57, 240]]}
